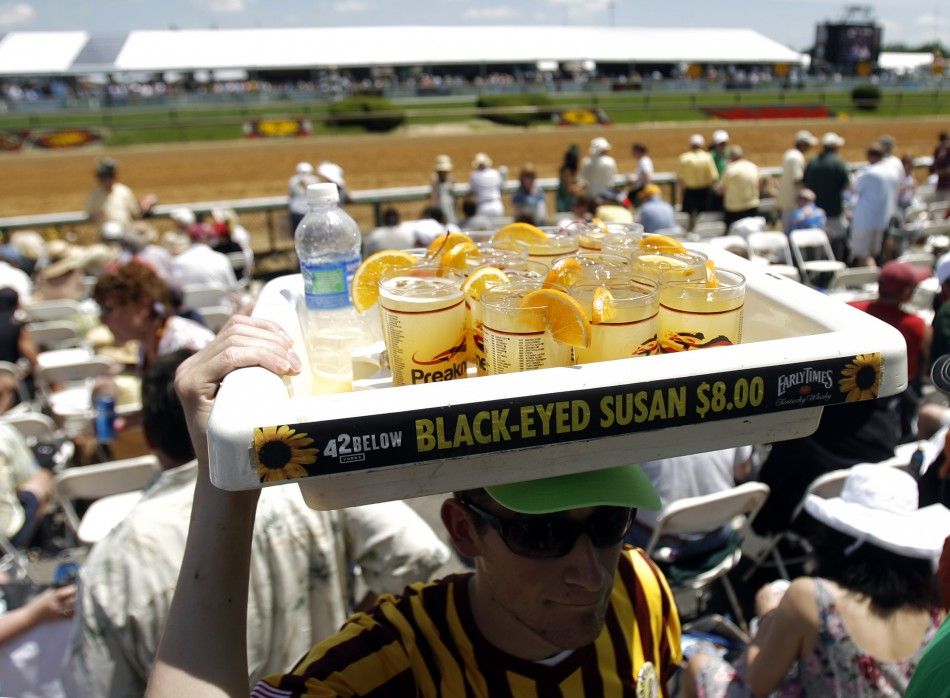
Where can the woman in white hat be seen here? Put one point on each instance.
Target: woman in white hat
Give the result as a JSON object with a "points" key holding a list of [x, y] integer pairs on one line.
{"points": [[442, 183], [860, 626]]}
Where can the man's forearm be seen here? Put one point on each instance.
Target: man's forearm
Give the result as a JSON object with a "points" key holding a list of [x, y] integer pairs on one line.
{"points": [[203, 651]]}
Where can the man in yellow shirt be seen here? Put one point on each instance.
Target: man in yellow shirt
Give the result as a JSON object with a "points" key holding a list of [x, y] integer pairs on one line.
{"points": [[740, 187], [696, 173]]}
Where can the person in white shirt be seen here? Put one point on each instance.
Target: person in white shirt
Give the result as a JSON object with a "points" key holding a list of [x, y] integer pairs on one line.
{"points": [[643, 174], [793, 172], [692, 475], [199, 265], [876, 189], [894, 163], [598, 169], [297, 194], [391, 235], [486, 182], [17, 279]]}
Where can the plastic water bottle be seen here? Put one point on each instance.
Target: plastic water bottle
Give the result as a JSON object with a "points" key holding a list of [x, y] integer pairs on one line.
{"points": [[328, 247]]}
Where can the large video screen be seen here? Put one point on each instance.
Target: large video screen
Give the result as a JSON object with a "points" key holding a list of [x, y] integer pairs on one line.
{"points": [[848, 43]]}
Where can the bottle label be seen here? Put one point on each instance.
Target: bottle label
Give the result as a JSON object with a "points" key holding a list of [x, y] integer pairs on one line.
{"points": [[327, 284]]}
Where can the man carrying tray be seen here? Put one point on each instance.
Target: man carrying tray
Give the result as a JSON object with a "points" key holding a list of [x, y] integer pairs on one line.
{"points": [[555, 606]]}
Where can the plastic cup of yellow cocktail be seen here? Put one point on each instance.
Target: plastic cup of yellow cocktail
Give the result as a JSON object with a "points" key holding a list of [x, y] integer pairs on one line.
{"points": [[701, 314], [623, 316], [422, 309], [527, 327]]}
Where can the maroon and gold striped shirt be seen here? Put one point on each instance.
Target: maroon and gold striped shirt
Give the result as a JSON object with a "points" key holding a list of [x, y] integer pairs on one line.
{"points": [[425, 643]]}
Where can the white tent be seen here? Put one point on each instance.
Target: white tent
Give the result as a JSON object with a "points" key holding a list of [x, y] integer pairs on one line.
{"points": [[40, 53], [905, 62], [254, 49]]}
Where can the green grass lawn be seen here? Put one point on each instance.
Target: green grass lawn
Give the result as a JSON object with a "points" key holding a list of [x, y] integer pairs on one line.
{"points": [[130, 125]]}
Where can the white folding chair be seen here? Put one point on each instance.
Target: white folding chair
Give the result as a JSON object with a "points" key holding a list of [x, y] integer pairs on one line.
{"points": [[215, 316], [55, 334], [734, 507], [709, 216], [925, 192], [733, 243], [768, 208], [199, 296], [773, 246], [683, 219], [813, 255], [37, 428], [937, 209], [34, 426], [922, 299], [17, 373], [71, 405], [854, 278], [241, 270], [98, 482], [825, 486], [704, 230], [924, 260], [42, 311]]}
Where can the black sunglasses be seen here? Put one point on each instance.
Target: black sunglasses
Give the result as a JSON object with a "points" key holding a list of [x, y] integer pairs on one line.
{"points": [[555, 536]]}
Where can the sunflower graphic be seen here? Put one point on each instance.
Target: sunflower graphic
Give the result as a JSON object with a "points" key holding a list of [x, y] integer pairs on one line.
{"points": [[282, 452], [861, 378]]}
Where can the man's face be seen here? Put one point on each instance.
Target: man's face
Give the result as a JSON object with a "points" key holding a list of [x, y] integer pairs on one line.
{"points": [[561, 601], [105, 181]]}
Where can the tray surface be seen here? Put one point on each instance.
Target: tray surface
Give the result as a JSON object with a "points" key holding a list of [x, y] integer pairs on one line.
{"points": [[800, 352]]}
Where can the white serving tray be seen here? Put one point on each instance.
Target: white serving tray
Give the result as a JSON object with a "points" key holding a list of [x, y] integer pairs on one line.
{"points": [[382, 442]]}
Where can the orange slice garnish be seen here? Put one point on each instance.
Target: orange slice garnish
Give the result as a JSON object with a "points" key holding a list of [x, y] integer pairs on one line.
{"points": [[662, 244], [563, 315], [445, 242], [603, 307], [515, 236], [564, 272], [481, 280], [711, 279], [365, 285], [457, 255]]}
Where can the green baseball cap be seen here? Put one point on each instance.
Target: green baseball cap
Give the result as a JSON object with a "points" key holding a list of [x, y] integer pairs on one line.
{"points": [[621, 486]]}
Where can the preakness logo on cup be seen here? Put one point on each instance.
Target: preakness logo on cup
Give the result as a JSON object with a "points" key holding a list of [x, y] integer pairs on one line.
{"points": [[452, 368], [293, 451]]}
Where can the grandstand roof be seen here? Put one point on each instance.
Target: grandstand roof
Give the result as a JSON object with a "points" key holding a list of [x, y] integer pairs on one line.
{"points": [[55, 52], [40, 53]]}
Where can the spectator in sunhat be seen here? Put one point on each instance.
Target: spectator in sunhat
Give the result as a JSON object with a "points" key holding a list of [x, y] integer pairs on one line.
{"points": [[297, 194], [486, 182], [599, 169], [860, 626], [331, 172], [442, 185]]}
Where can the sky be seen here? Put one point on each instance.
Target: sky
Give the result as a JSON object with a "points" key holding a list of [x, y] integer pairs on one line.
{"points": [[790, 22]]}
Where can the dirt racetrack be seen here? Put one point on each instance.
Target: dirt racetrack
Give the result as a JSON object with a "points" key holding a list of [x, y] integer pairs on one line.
{"points": [[49, 181]]}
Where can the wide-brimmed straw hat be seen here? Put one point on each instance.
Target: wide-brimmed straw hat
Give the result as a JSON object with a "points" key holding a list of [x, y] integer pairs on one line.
{"points": [[878, 505]]}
